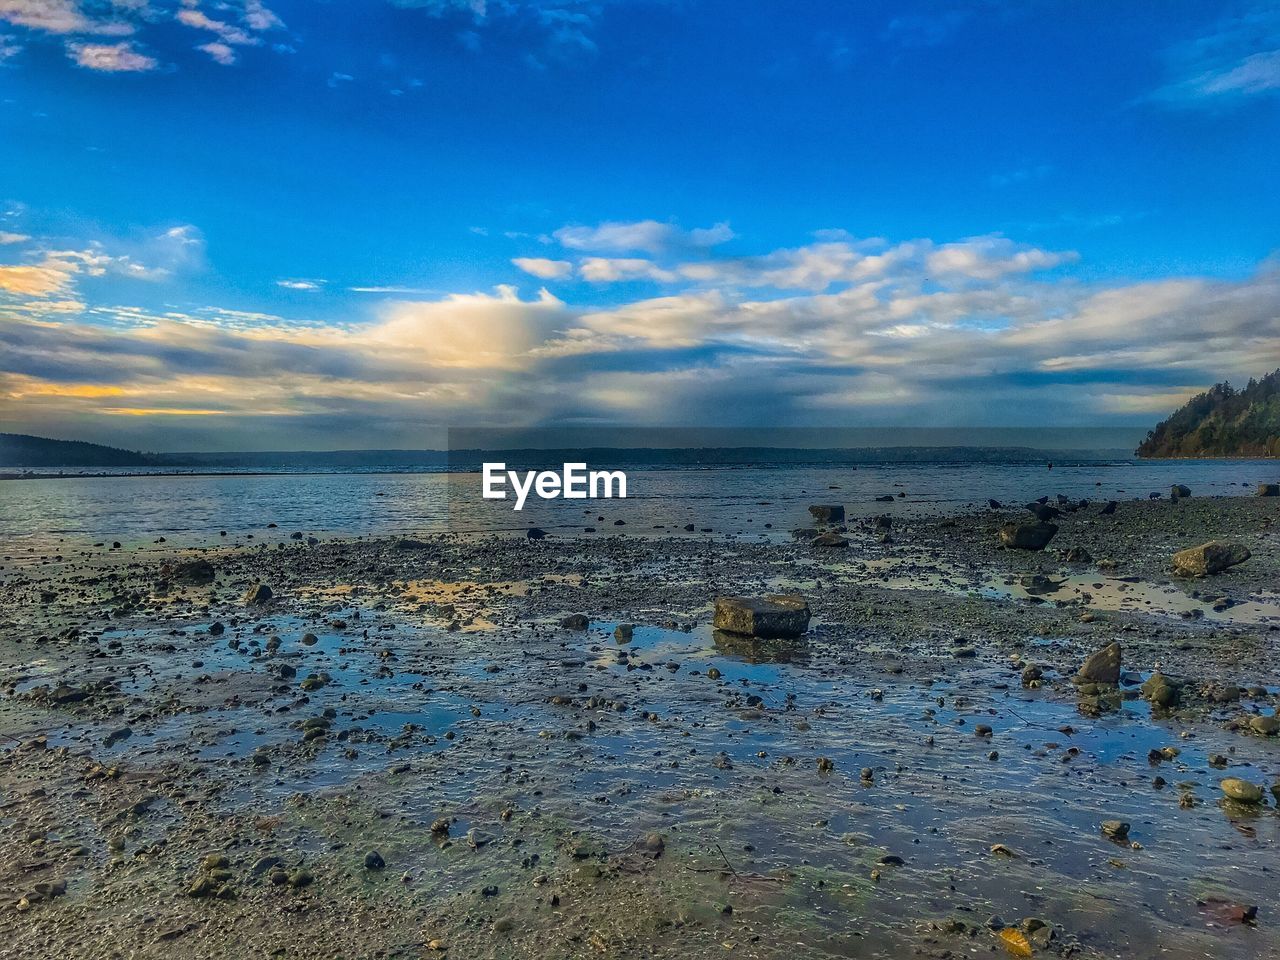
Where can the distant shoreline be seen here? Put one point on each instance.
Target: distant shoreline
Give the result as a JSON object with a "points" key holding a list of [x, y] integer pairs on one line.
{"points": [[444, 471]]}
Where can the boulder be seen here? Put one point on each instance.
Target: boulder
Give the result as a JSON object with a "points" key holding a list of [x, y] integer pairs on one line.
{"points": [[1209, 558], [1102, 667], [830, 539], [1043, 511], [1269, 489], [1265, 726], [194, 572], [576, 621], [884, 522], [535, 533], [407, 545], [1027, 536], [1109, 508], [1161, 691], [827, 512], [258, 594], [776, 615], [1241, 791], [1179, 491]]}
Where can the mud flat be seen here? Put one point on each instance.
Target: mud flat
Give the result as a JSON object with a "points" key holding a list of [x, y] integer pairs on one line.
{"points": [[404, 751]]}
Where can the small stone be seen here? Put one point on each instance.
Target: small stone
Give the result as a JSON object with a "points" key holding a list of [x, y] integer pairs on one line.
{"points": [[827, 513], [1115, 829]]}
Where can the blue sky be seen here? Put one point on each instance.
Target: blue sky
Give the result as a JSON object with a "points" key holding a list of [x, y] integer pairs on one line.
{"points": [[306, 224]]}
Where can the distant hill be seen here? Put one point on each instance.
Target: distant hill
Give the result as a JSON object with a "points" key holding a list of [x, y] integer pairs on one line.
{"points": [[1222, 422], [21, 450]]}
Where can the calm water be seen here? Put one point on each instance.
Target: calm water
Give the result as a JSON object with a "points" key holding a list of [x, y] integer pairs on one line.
{"points": [[748, 502]]}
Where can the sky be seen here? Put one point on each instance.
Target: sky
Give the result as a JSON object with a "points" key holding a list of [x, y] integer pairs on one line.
{"points": [[252, 225]]}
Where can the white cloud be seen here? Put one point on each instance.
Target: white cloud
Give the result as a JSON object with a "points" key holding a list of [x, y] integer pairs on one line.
{"points": [[614, 269], [219, 52], [51, 16], [986, 258], [1239, 58], [228, 34], [866, 329], [1256, 73], [55, 272], [6, 237], [813, 267], [649, 236], [296, 284], [111, 57], [49, 277], [486, 331], [259, 18], [544, 268]]}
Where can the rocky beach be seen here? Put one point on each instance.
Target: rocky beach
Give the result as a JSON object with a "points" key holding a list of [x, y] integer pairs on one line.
{"points": [[495, 746]]}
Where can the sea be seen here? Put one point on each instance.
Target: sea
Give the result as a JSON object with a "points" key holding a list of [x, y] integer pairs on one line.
{"points": [[69, 508]]}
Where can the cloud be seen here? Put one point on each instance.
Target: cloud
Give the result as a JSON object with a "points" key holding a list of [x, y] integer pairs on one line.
{"points": [[7, 237], [111, 57], [76, 21], [986, 258], [198, 20], [969, 332], [1146, 402], [544, 268], [820, 266], [483, 331], [55, 273], [813, 267], [649, 236], [924, 30], [613, 269], [309, 285], [50, 16], [259, 18], [219, 52], [396, 291], [1238, 59], [52, 276], [562, 29]]}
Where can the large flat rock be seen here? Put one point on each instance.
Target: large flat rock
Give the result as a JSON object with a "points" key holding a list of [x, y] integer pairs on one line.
{"points": [[1027, 536], [776, 615], [1209, 558]]}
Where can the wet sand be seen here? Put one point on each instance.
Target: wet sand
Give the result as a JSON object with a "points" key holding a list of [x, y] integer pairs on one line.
{"points": [[404, 754]]}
